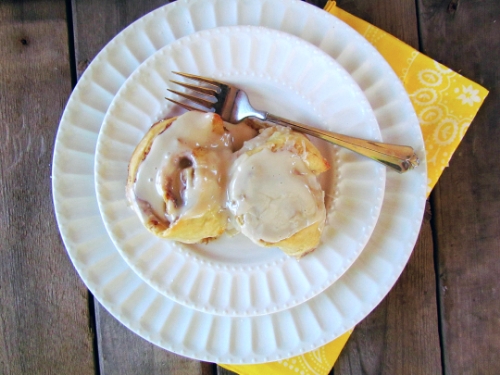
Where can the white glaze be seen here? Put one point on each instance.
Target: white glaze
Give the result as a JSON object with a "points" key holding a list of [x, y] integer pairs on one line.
{"points": [[173, 191], [273, 194]]}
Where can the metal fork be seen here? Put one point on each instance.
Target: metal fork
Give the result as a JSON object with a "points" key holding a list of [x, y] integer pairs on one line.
{"points": [[233, 105]]}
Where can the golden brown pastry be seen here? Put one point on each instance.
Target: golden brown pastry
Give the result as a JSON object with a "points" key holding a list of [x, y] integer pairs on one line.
{"points": [[274, 194], [185, 183], [177, 177]]}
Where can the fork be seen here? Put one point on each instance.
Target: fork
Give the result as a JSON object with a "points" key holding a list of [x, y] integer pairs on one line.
{"points": [[233, 105]]}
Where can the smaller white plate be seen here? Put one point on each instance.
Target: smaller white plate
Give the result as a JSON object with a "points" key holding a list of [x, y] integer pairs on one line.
{"points": [[283, 75]]}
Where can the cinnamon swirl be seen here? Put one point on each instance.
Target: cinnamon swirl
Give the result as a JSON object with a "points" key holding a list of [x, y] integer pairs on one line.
{"points": [[177, 177]]}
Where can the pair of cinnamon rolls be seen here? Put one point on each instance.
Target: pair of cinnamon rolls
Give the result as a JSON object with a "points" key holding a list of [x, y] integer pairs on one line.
{"points": [[187, 183]]}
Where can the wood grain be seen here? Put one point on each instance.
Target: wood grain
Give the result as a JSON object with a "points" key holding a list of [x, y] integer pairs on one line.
{"points": [[120, 351], [464, 35], [44, 319], [401, 335], [397, 17]]}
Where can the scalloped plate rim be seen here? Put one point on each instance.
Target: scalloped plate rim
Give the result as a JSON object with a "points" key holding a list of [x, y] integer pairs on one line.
{"points": [[332, 293]]}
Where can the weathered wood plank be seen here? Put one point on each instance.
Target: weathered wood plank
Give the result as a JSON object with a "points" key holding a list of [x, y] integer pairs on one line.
{"points": [[401, 335], [95, 23], [44, 318], [397, 17], [464, 35]]}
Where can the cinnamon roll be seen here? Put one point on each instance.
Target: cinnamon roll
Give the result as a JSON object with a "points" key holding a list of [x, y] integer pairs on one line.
{"points": [[274, 194], [177, 177]]}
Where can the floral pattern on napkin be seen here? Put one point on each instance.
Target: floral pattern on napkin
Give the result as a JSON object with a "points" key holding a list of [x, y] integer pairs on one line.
{"points": [[316, 362]]}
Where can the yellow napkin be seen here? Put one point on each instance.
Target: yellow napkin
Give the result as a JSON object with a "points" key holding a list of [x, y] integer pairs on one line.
{"points": [[317, 362], [445, 103]]}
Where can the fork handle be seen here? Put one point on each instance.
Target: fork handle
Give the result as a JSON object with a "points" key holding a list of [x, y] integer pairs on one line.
{"points": [[400, 158]]}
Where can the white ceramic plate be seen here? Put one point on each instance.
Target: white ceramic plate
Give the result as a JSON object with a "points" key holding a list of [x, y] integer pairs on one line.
{"points": [[201, 335], [284, 75]]}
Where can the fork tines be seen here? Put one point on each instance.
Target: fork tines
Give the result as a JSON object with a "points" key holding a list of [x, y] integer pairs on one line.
{"points": [[198, 78], [208, 92]]}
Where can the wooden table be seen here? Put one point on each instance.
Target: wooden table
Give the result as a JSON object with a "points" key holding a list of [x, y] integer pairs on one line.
{"points": [[443, 315]]}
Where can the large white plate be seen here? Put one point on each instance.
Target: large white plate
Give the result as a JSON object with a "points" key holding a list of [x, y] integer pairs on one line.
{"points": [[284, 75], [198, 334]]}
